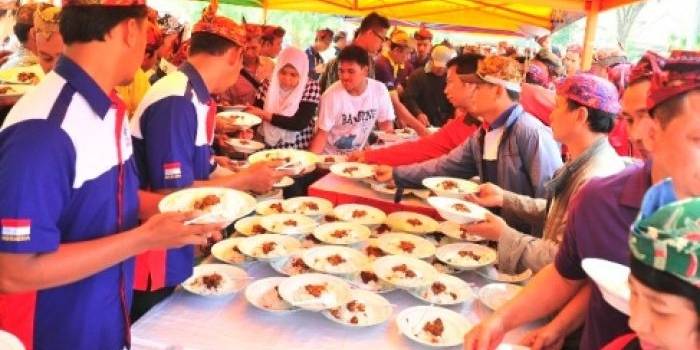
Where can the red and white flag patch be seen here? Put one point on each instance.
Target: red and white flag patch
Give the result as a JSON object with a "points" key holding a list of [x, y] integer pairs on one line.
{"points": [[172, 171], [15, 230]]}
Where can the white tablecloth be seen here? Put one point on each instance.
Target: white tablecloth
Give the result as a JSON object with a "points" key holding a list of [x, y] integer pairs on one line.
{"points": [[188, 322]]}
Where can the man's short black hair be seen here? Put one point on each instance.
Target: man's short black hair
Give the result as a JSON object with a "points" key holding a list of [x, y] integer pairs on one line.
{"points": [[373, 21], [21, 31], [211, 44], [354, 53], [513, 95], [270, 35], [669, 109], [664, 282], [465, 63], [82, 24], [325, 34], [598, 121]]}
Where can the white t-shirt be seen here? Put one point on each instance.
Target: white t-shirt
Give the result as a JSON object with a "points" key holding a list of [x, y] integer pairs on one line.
{"points": [[349, 120]]}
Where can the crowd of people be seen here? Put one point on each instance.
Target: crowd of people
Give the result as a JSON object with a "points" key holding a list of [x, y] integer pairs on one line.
{"points": [[572, 164]]}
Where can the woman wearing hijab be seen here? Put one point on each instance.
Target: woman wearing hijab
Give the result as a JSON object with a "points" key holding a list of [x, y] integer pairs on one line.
{"points": [[288, 102]]}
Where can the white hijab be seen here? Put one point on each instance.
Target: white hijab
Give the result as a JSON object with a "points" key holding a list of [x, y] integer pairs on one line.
{"points": [[285, 103]]}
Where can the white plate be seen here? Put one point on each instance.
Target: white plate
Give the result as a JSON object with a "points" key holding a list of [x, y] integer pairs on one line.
{"points": [[270, 207], [326, 161], [319, 258], [456, 291], [425, 273], [371, 244], [284, 182], [284, 246], [12, 74], [404, 221], [288, 224], [363, 310], [334, 291], [232, 204], [360, 214], [250, 226], [612, 279], [290, 266], [240, 118], [226, 251], [458, 255], [386, 188], [450, 186], [233, 279], [492, 273], [457, 210], [245, 146], [294, 161], [263, 295], [369, 281], [9, 342], [342, 233], [353, 170], [309, 206], [495, 295], [439, 239], [15, 91], [405, 133], [275, 193], [413, 246], [411, 322], [454, 230]]}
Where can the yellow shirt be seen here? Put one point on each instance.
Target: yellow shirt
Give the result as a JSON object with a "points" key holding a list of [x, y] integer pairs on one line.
{"points": [[133, 93]]}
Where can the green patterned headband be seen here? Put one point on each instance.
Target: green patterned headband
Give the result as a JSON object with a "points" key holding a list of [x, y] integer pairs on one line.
{"points": [[669, 240]]}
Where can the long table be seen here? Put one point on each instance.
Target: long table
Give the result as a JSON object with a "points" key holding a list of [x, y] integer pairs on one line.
{"points": [[189, 322]]}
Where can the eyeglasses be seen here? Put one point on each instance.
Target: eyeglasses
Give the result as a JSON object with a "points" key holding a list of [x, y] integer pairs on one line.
{"points": [[382, 38]]}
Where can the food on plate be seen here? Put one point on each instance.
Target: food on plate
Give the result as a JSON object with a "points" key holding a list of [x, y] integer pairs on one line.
{"points": [[368, 276], [339, 234], [382, 229], [439, 293], [355, 311], [244, 142], [236, 256], [407, 247], [211, 283], [335, 260], [329, 159], [390, 186], [442, 267], [268, 247], [351, 170], [310, 205], [310, 241], [257, 229], [469, 254], [291, 223], [358, 214], [402, 271], [461, 208], [373, 251], [205, 202], [330, 218], [315, 290], [448, 185], [277, 207], [433, 330], [28, 77], [414, 222], [296, 266]]}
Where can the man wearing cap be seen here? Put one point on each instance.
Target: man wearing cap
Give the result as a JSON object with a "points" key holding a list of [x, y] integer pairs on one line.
{"points": [[572, 59], [424, 94], [25, 56], [49, 43], [598, 227], [173, 130], [270, 47], [392, 68], [69, 204], [513, 149], [585, 113], [244, 90], [424, 45], [322, 42]]}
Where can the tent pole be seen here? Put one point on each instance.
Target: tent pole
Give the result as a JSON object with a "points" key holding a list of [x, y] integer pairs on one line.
{"points": [[264, 13], [589, 39]]}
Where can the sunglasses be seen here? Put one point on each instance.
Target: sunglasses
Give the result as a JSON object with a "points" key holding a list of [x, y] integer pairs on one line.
{"points": [[382, 38]]}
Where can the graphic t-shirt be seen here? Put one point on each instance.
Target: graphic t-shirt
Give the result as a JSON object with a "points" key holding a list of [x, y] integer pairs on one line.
{"points": [[349, 120]]}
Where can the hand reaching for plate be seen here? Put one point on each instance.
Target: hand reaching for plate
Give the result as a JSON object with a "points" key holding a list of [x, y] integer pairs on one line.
{"points": [[488, 195], [545, 338], [384, 173], [491, 228], [486, 335], [267, 116], [260, 177], [168, 230]]}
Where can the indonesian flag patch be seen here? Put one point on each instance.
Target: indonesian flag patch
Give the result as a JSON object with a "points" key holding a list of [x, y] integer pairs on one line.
{"points": [[15, 230], [172, 171]]}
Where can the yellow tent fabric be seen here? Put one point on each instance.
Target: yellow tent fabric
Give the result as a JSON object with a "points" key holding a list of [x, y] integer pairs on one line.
{"points": [[495, 15]]}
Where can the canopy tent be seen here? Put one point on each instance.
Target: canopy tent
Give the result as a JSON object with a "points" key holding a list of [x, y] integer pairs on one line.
{"points": [[495, 16]]}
